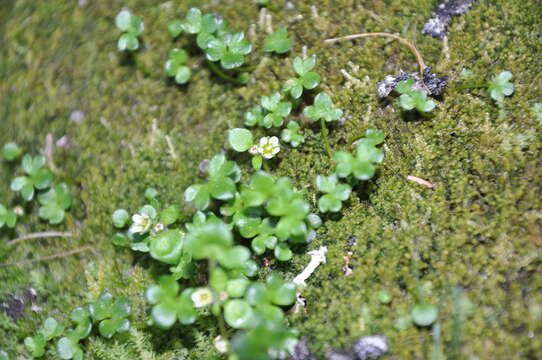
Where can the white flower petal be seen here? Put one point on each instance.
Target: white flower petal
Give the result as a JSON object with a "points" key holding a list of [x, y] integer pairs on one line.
{"points": [[264, 141], [276, 150], [138, 219], [267, 155], [274, 141]]}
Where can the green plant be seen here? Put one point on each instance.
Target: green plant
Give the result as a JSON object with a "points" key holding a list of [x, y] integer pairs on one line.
{"points": [[8, 217], [36, 344], [254, 116], [361, 165], [37, 177], [424, 314], [132, 26], [276, 109], [278, 42], [205, 25], [176, 68], [242, 140], [291, 134], [222, 177], [322, 109], [68, 346], [230, 49], [111, 315], [413, 99], [4, 355], [307, 79], [54, 203], [11, 151], [168, 305], [500, 86], [336, 193]]}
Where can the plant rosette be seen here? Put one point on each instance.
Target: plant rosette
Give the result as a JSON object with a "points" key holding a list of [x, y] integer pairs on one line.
{"points": [[37, 177], [132, 26], [307, 79]]}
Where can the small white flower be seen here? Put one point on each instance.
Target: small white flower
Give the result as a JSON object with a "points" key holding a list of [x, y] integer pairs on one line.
{"points": [[142, 223], [202, 297], [221, 344], [269, 147], [253, 149], [159, 227]]}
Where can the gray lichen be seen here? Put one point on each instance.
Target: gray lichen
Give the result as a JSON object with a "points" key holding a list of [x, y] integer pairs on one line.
{"points": [[437, 26]]}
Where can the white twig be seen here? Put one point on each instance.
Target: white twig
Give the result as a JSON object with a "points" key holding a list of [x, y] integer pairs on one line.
{"points": [[317, 257]]}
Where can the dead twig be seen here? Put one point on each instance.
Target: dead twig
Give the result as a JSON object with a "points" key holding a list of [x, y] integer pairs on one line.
{"points": [[49, 257], [420, 181], [418, 55], [39, 235]]}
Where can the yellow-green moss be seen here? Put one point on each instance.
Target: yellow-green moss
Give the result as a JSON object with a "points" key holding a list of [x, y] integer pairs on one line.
{"points": [[480, 228]]}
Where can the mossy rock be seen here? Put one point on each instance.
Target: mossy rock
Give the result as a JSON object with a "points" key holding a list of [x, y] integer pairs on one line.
{"points": [[479, 229]]}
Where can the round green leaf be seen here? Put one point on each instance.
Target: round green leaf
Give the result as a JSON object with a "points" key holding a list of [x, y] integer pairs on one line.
{"points": [[66, 348], [240, 139], [169, 215], [237, 287], [283, 252], [183, 75], [164, 314], [239, 314], [11, 151], [123, 20], [120, 217], [234, 257], [424, 314], [167, 246]]}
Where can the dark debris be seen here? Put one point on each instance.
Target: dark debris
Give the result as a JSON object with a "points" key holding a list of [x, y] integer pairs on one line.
{"points": [[437, 26], [429, 83], [368, 347], [15, 305]]}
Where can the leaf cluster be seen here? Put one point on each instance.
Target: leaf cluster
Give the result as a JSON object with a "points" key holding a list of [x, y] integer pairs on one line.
{"points": [[111, 316], [213, 37], [413, 98], [176, 68], [307, 79], [37, 179], [501, 86], [323, 109], [132, 26], [352, 168]]}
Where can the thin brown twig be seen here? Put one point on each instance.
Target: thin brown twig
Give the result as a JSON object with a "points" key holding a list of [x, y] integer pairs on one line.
{"points": [[49, 257], [418, 55], [420, 181], [39, 235]]}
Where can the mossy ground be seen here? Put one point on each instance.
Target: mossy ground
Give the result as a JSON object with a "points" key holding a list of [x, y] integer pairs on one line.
{"points": [[479, 229]]}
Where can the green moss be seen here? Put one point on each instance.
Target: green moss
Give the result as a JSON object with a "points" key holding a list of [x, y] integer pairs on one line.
{"points": [[478, 229]]}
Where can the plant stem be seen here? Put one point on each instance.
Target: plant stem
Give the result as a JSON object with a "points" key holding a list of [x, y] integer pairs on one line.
{"points": [[245, 68], [222, 74], [39, 235], [222, 327], [472, 86], [413, 48], [324, 134]]}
